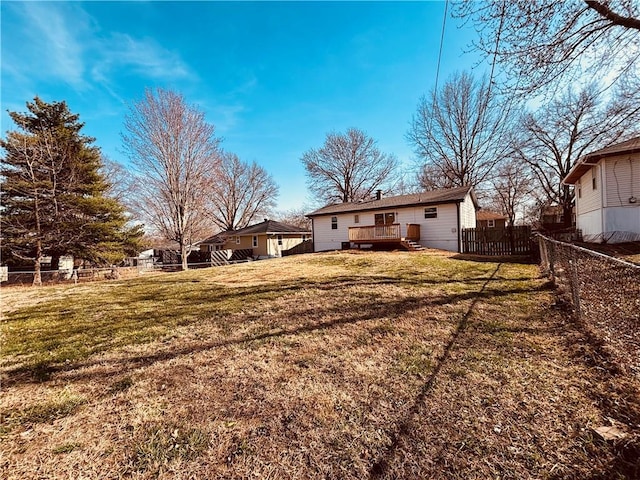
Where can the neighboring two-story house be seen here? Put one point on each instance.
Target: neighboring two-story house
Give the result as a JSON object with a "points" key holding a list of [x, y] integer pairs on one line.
{"points": [[607, 187]]}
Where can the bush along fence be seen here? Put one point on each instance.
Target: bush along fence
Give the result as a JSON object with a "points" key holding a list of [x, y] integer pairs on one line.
{"points": [[604, 292]]}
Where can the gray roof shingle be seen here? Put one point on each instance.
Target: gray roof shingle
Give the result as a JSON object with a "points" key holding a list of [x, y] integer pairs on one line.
{"points": [[584, 164], [433, 197]]}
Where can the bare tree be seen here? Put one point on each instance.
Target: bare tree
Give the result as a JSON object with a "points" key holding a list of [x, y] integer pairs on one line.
{"points": [[459, 133], [295, 217], [348, 167], [557, 134], [538, 43], [175, 153], [513, 188], [241, 193], [120, 180]]}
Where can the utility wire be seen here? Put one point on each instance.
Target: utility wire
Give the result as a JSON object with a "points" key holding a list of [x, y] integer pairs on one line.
{"points": [[444, 23]]}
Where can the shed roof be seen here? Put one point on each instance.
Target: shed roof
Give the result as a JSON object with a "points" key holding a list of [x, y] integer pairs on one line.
{"points": [[433, 197], [584, 164]]}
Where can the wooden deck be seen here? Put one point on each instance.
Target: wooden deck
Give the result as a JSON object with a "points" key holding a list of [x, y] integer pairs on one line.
{"points": [[384, 233]]}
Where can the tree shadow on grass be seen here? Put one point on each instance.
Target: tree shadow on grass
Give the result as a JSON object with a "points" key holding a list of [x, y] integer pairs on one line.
{"points": [[360, 310], [381, 465]]}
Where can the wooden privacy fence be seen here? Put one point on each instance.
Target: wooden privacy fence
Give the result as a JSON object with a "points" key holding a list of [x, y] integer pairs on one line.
{"points": [[497, 241], [304, 247]]}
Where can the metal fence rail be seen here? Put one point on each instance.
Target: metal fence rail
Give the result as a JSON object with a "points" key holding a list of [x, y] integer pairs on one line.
{"points": [[604, 291]]}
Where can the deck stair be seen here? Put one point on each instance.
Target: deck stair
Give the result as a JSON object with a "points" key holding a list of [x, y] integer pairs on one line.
{"points": [[411, 245]]}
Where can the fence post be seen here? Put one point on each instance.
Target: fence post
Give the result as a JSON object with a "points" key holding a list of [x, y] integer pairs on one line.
{"points": [[551, 253], [575, 282]]}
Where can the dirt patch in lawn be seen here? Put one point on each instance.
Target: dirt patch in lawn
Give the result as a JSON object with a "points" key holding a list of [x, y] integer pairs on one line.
{"points": [[368, 365]]}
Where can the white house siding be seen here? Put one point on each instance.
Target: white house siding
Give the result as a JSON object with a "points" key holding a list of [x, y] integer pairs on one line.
{"points": [[441, 232], [589, 199], [467, 213], [275, 250], [622, 180], [621, 224], [621, 220], [590, 223], [615, 218], [324, 238]]}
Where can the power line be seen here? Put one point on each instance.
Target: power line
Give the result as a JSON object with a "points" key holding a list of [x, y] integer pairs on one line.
{"points": [[444, 23]]}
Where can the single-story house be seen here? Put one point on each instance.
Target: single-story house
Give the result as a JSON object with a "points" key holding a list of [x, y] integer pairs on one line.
{"points": [[607, 187], [266, 239], [488, 219], [216, 242], [430, 219]]}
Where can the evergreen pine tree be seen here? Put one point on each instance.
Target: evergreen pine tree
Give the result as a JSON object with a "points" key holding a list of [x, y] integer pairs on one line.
{"points": [[53, 195]]}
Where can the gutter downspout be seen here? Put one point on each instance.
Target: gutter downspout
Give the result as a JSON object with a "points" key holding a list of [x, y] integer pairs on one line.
{"points": [[459, 232], [313, 236], [603, 197]]}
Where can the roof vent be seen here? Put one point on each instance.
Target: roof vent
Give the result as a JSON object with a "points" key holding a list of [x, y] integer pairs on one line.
{"points": [[378, 194]]}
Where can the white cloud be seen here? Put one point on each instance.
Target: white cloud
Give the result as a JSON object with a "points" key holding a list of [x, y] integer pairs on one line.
{"points": [[143, 56], [52, 45], [63, 42]]}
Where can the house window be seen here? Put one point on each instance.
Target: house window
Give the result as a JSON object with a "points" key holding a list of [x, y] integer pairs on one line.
{"points": [[431, 212], [280, 240], [334, 223], [385, 218], [238, 239], [255, 241], [579, 187], [491, 223], [356, 219], [593, 179]]}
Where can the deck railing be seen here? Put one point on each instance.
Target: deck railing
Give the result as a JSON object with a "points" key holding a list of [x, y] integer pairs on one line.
{"points": [[383, 233], [375, 233]]}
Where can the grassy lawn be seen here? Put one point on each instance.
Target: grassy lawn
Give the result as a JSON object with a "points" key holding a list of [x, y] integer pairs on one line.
{"points": [[339, 365]]}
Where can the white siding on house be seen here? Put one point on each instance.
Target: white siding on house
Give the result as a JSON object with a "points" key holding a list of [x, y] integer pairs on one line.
{"points": [[589, 199], [617, 180], [467, 213], [324, 238], [440, 232], [622, 180], [590, 223], [622, 220], [275, 250]]}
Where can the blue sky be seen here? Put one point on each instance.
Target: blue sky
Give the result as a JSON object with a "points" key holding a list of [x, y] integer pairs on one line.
{"points": [[273, 77]]}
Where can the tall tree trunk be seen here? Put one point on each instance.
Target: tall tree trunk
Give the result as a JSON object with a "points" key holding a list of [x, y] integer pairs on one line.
{"points": [[567, 206], [184, 253], [37, 277]]}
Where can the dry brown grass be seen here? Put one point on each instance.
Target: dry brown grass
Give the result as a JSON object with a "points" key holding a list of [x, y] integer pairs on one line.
{"points": [[376, 365]]}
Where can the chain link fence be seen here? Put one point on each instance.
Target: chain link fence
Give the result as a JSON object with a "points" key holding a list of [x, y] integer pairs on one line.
{"points": [[604, 292]]}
